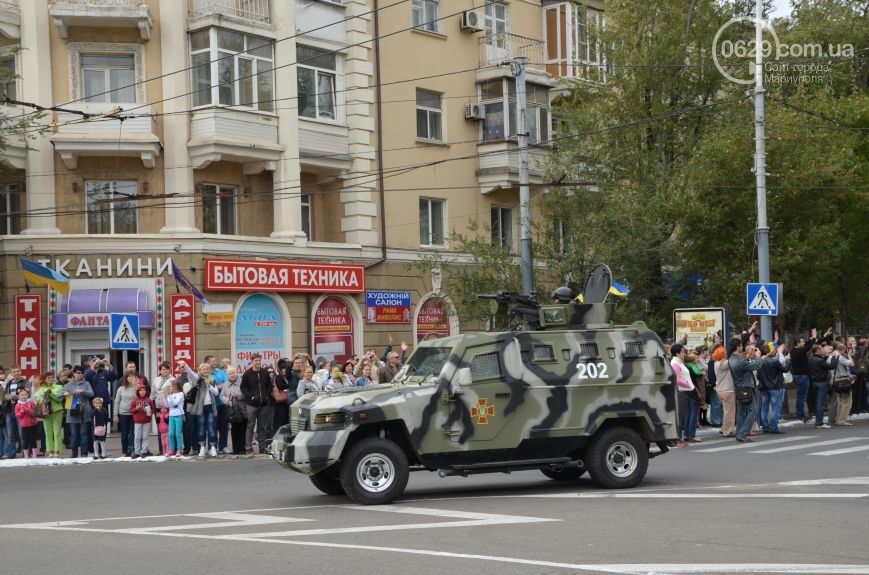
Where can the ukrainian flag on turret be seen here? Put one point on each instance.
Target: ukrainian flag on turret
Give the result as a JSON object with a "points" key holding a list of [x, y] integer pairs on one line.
{"points": [[615, 288], [618, 289], [40, 275]]}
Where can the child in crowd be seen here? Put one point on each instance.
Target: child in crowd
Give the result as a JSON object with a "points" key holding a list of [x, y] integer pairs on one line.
{"points": [[174, 402], [163, 428], [99, 420], [25, 411], [142, 409]]}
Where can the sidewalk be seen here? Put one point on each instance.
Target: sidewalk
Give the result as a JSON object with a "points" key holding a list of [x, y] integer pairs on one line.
{"points": [[712, 431], [113, 445]]}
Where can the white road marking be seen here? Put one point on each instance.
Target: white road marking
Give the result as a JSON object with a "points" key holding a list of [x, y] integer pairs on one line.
{"points": [[809, 445], [621, 569], [831, 481], [753, 444], [843, 450], [699, 495], [230, 519]]}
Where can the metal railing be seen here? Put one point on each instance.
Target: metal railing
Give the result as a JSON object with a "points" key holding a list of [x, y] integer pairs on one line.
{"points": [[496, 49], [253, 10]]}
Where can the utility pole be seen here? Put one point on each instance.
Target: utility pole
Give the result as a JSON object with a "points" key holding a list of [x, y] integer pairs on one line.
{"points": [[525, 254], [762, 230]]}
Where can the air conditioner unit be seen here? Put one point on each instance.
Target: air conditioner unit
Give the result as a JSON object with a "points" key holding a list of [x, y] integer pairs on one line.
{"points": [[472, 21], [474, 112]]}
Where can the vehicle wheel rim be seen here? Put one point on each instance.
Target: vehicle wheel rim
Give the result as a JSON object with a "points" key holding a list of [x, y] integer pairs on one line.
{"points": [[621, 459], [375, 473]]}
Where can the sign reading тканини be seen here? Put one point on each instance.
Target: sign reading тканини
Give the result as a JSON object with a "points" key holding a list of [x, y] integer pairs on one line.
{"points": [[237, 275]]}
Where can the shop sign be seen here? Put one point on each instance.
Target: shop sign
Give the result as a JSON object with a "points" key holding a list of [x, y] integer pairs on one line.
{"points": [[110, 267], [235, 275], [333, 330], [388, 306], [433, 320], [259, 328], [28, 334], [87, 320], [182, 332], [700, 325]]}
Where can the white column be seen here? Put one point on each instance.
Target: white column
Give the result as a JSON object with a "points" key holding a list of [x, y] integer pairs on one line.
{"points": [[180, 212], [287, 177], [36, 85], [356, 195]]}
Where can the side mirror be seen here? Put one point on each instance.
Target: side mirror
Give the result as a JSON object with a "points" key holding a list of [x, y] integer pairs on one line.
{"points": [[462, 379]]}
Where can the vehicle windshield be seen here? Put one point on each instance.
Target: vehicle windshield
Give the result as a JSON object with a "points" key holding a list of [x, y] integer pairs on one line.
{"points": [[427, 362]]}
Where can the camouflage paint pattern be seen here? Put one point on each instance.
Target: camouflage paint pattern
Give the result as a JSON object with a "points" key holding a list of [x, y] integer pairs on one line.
{"points": [[499, 397]]}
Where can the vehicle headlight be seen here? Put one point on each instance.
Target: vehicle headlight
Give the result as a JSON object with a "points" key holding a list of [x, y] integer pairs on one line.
{"points": [[333, 419]]}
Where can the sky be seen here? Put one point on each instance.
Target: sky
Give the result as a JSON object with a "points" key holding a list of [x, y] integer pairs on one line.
{"points": [[781, 8]]}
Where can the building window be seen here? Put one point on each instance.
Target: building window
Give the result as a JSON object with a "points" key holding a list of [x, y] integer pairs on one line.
{"points": [[306, 214], [10, 208], [218, 209], [431, 222], [498, 95], [317, 70], [495, 19], [232, 69], [8, 81], [425, 15], [108, 78], [428, 115], [111, 207], [502, 227], [587, 46]]}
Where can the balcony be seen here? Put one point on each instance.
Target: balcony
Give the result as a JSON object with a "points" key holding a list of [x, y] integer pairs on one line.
{"points": [[101, 14], [499, 165], [247, 15], [223, 134], [497, 52], [106, 137], [10, 20], [324, 147]]}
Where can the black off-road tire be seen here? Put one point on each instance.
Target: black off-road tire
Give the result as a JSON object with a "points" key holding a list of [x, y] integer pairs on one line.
{"points": [[328, 481], [563, 474], [617, 458], [374, 471]]}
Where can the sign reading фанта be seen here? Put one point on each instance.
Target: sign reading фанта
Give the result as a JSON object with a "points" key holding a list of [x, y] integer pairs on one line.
{"points": [[235, 275]]}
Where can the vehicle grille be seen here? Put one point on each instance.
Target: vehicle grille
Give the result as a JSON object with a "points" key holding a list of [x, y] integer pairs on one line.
{"points": [[298, 424]]}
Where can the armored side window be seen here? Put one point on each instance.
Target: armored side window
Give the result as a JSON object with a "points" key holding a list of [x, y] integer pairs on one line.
{"points": [[485, 366], [588, 350], [543, 352], [634, 349]]}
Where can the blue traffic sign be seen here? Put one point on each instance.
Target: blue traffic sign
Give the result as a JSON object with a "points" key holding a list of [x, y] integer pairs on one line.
{"points": [[124, 331], [763, 298]]}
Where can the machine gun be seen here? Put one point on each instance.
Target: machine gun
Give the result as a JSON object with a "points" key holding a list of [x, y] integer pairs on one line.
{"points": [[514, 310]]}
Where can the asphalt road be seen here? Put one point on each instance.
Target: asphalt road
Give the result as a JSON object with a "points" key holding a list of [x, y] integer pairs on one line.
{"points": [[795, 503]]}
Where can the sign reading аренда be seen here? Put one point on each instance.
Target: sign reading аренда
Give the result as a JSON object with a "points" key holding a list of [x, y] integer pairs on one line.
{"points": [[238, 275], [388, 307]]}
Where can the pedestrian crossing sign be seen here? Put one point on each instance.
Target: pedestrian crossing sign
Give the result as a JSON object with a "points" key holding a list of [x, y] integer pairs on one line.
{"points": [[762, 298], [124, 332]]}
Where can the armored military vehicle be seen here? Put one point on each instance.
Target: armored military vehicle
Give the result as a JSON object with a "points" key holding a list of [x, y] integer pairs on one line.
{"points": [[569, 393]]}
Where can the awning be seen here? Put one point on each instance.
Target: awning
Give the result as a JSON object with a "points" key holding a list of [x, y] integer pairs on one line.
{"points": [[90, 308]]}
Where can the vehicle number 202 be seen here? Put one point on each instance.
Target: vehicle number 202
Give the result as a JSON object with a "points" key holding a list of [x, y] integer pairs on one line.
{"points": [[591, 370]]}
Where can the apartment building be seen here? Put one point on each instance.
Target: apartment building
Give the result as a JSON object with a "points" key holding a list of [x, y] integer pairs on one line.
{"points": [[252, 145]]}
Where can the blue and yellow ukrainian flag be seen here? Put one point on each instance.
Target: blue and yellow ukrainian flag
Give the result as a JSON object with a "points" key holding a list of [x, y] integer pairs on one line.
{"points": [[615, 288], [618, 289], [40, 275]]}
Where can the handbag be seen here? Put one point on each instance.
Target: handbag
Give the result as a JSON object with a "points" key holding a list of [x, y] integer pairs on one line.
{"points": [[842, 385], [236, 413], [100, 431], [280, 396], [76, 406], [190, 396], [744, 395], [43, 410]]}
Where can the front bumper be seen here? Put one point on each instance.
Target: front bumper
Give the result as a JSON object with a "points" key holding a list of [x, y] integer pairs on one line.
{"points": [[309, 452]]}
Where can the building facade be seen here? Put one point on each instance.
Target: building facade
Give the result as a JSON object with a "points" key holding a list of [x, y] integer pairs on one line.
{"points": [[291, 158]]}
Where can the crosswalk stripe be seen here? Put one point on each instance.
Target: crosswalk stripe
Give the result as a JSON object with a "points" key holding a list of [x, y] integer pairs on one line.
{"points": [[747, 445], [844, 450], [808, 445]]}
